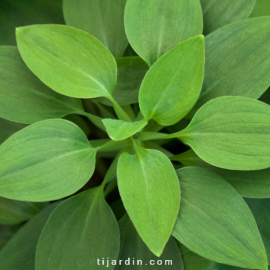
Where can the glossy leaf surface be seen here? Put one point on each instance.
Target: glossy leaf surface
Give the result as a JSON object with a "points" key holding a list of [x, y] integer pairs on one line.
{"points": [[119, 130], [172, 85], [231, 133], [219, 13], [19, 252], [46, 161], [237, 60], [154, 27], [215, 222], [151, 195], [102, 19], [80, 231], [65, 59], [133, 247], [23, 97]]}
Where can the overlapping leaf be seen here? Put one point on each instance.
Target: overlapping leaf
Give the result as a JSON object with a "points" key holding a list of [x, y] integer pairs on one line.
{"points": [[102, 19], [130, 73], [262, 8], [46, 161], [119, 130], [136, 255], [68, 60], [7, 128], [250, 184], [80, 231], [219, 13], [261, 212], [14, 212], [19, 252], [193, 261], [17, 13], [154, 27], [173, 84], [23, 97], [215, 222], [231, 133], [237, 60], [218, 266], [151, 195], [6, 233]]}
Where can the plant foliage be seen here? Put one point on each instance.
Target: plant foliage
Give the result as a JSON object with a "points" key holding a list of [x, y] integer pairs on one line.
{"points": [[134, 133]]}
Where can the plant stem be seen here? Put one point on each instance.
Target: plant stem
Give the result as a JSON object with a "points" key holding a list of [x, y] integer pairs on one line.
{"points": [[129, 111], [113, 145], [111, 186], [93, 118], [122, 115], [105, 113]]}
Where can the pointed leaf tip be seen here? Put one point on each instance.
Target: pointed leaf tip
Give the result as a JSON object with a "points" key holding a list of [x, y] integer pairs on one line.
{"points": [[153, 187], [119, 130]]}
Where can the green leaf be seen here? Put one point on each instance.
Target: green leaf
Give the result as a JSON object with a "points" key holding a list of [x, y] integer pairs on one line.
{"points": [[262, 8], [14, 212], [65, 59], [172, 85], [19, 252], [118, 209], [251, 184], [237, 60], [215, 222], [130, 73], [102, 19], [133, 251], [217, 266], [7, 128], [154, 27], [111, 172], [80, 231], [6, 233], [119, 130], [17, 13], [23, 97], [46, 161], [153, 188], [193, 261], [218, 13], [265, 97], [261, 212], [231, 133]]}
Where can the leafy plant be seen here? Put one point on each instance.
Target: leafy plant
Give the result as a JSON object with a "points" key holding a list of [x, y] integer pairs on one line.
{"points": [[132, 134]]}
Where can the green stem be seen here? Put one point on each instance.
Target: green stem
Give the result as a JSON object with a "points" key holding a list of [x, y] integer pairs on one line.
{"points": [[122, 115], [147, 136], [105, 113], [129, 111], [97, 121], [101, 167], [113, 145], [111, 186], [153, 126], [139, 116]]}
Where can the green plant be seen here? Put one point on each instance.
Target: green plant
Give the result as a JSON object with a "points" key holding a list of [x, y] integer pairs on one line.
{"points": [[171, 121]]}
